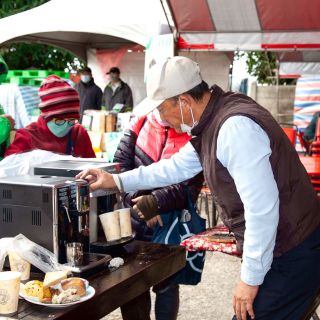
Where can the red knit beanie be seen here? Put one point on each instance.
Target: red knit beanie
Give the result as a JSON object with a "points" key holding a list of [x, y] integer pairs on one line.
{"points": [[58, 99]]}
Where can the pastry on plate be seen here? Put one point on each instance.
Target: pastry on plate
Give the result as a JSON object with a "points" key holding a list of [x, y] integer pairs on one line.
{"points": [[74, 283], [36, 289]]}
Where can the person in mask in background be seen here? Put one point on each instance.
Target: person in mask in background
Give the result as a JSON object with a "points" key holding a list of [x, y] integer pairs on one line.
{"points": [[57, 129], [149, 139], [117, 91], [89, 93]]}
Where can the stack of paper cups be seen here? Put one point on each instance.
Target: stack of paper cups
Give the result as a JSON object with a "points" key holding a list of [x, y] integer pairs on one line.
{"points": [[111, 225], [20, 265], [125, 222]]}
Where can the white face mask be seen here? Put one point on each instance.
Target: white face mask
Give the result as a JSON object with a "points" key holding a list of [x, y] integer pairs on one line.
{"points": [[183, 126], [85, 78], [163, 123]]}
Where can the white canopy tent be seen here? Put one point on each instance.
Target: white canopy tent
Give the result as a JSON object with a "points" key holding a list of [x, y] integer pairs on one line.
{"points": [[86, 28], [76, 25]]}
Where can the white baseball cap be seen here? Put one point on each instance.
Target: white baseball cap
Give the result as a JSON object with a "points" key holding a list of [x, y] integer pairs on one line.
{"points": [[168, 79]]}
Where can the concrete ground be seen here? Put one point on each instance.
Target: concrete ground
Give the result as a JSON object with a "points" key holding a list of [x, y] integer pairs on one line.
{"points": [[212, 298]]}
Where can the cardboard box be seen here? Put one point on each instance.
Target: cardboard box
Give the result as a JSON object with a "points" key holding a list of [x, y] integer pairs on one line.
{"points": [[123, 120], [98, 123], [111, 122]]}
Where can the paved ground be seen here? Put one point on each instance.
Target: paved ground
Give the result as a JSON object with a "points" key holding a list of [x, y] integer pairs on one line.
{"points": [[212, 298]]}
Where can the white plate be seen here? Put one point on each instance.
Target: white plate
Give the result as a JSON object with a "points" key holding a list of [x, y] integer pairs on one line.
{"points": [[89, 294]]}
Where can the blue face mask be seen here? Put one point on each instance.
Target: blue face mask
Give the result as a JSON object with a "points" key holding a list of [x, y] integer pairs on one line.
{"points": [[59, 131]]}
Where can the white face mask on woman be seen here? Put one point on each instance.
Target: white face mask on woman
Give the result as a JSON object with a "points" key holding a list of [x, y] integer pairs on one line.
{"points": [[183, 126]]}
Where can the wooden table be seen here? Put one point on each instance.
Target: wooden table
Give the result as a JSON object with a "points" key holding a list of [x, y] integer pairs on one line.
{"points": [[146, 264]]}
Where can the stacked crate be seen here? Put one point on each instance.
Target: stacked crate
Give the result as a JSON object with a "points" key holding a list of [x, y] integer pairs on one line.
{"points": [[32, 77]]}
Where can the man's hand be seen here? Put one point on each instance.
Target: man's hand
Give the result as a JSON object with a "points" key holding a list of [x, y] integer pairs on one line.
{"points": [[98, 179], [243, 300]]}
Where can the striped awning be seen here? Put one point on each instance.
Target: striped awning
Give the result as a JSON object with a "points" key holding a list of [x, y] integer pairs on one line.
{"points": [[298, 63], [247, 24]]}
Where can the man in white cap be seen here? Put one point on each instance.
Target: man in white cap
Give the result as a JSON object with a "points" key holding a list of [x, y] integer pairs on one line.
{"points": [[259, 185]]}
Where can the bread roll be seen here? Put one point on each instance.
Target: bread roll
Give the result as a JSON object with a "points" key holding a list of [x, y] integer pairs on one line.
{"points": [[74, 283]]}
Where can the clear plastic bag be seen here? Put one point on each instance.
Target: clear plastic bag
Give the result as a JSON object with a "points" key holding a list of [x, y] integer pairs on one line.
{"points": [[23, 163], [5, 246], [36, 255]]}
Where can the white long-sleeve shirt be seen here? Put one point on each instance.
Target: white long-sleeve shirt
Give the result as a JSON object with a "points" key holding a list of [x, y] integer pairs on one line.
{"points": [[243, 148]]}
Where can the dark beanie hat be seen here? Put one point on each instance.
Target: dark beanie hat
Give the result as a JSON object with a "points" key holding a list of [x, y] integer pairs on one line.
{"points": [[58, 99]]}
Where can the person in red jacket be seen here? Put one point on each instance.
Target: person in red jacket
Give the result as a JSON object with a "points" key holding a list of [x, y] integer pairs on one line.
{"points": [[148, 140], [57, 129]]}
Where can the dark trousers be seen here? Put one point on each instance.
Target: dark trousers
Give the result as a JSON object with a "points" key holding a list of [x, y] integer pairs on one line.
{"points": [[167, 302], [291, 284], [166, 305]]}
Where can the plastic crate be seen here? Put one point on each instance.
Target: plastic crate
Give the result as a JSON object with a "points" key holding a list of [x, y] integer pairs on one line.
{"points": [[16, 80], [21, 81], [61, 74], [37, 73], [14, 73]]}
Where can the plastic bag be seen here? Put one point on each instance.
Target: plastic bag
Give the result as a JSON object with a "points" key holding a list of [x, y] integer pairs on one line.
{"points": [[36, 255], [23, 163], [5, 246]]}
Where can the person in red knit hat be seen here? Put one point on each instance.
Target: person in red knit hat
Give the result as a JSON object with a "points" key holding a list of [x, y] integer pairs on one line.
{"points": [[57, 128]]}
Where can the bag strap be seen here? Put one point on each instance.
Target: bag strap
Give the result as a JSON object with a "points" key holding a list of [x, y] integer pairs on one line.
{"points": [[69, 150], [191, 204]]}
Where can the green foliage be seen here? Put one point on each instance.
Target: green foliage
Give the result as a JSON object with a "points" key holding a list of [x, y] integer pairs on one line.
{"points": [[10, 7], [263, 66], [20, 56]]}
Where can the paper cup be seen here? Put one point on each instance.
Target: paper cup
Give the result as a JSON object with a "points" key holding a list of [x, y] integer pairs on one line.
{"points": [[9, 291], [20, 265], [111, 225], [125, 222]]}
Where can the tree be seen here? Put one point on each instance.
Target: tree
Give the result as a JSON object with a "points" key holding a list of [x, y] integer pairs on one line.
{"points": [[21, 56], [10, 7], [263, 66]]}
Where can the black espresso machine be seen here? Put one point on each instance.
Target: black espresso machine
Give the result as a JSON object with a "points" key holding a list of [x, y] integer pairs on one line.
{"points": [[101, 201], [50, 211], [53, 210]]}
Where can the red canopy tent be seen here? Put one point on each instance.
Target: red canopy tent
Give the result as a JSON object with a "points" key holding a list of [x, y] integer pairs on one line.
{"points": [[247, 24]]}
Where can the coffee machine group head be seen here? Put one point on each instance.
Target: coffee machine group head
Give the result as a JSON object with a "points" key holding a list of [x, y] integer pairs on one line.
{"points": [[73, 216]]}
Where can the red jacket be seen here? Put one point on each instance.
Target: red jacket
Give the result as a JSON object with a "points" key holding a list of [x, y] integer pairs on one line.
{"points": [[38, 136], [147, 142], [156, 141]]}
